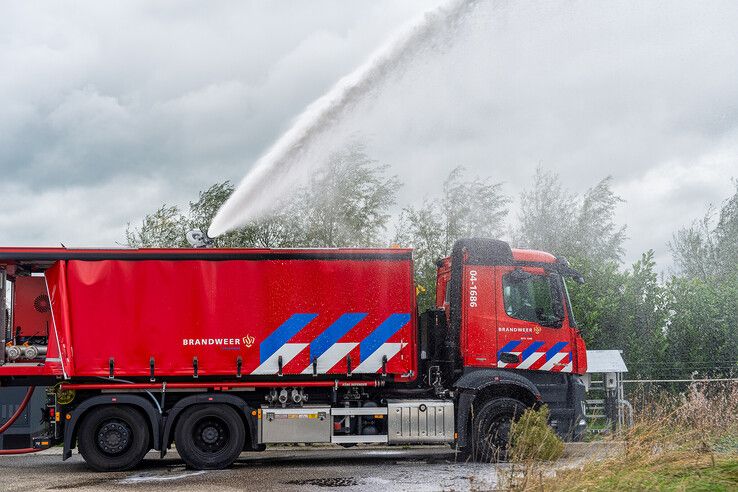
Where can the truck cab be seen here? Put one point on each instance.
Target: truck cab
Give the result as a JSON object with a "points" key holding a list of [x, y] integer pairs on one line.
{"points": [[509, 330], [513, 312]]}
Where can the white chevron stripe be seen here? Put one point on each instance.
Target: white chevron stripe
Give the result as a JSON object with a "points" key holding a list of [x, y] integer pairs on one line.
{"points": [[330, 357], [288, 351], [374, 362], [567, 368], [554, 360], [531, 359]]}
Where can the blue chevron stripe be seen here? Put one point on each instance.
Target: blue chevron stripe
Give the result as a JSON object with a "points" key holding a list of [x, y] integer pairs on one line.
{"points": [[382, 333], [334, 333], [531, 348], [555, 349], [282, 335]]}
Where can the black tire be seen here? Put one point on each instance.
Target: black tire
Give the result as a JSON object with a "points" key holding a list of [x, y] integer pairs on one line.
{"points": [[113, 438], [209, 437], [491, 428]]}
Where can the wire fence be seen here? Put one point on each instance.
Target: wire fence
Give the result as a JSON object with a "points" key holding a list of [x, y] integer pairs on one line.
{"points": [[615, 407], [691, 380]]}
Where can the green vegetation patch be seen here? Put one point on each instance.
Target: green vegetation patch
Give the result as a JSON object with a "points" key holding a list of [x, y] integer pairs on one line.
{"points": [[531, 438], [668, 473]]}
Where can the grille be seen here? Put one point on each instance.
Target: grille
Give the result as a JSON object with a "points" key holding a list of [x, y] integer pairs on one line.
{"points": [[41, 304]]}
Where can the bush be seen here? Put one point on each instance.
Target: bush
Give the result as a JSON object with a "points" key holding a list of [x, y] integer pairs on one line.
{"points": [[531, 438]]}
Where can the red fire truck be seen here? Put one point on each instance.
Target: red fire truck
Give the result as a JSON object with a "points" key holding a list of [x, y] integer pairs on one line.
{"points": [[221, 351]]}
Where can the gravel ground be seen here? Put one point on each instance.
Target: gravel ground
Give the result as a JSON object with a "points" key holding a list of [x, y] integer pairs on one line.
{"points": [[311, 469], [326, 469]]}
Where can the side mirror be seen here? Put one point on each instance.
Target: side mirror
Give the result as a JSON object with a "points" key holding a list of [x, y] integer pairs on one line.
{"points": [[566, 271]]}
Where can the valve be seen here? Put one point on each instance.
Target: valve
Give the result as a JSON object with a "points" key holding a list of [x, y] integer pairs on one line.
{"points": [[283, 397]]}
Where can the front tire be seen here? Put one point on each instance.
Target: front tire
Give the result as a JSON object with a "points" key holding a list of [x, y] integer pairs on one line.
{"points": [[210, 437], [113, 438], [491, 429]]}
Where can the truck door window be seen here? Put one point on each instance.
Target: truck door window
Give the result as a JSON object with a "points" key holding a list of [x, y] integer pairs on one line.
{"points": [[535, 298]]}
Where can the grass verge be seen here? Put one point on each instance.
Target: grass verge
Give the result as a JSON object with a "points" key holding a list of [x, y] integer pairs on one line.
{"points": [[685, 441]]}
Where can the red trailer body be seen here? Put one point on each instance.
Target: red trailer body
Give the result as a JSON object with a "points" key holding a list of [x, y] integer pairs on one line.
{"points": [[287, 313]]}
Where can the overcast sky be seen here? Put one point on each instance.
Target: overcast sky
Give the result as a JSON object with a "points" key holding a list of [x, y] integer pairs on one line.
{"points": [[109, 109]]}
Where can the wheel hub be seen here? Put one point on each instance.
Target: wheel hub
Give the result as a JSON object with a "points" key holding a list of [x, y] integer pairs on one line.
{"points": [[211, 435], [113, 437], [495, 437]]}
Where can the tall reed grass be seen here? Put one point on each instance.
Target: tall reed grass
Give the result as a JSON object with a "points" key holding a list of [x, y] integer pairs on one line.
{"points": [[680, 441]]}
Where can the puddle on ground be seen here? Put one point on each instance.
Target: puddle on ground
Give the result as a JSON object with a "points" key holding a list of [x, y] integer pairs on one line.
{"points": [[326, 482], [139, 478]]}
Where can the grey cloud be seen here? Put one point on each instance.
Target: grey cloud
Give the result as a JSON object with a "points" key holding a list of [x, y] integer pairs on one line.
{"points": [[108, 109]]}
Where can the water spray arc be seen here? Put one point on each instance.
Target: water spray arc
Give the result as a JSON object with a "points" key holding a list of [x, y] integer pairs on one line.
{"points": [[277, 171]]}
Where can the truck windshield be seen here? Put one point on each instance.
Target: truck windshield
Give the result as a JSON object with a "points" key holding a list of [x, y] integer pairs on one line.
{"points": [[536, 298]]}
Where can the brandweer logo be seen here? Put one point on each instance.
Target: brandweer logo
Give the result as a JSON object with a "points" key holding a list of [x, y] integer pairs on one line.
{"points": [[211, 341], [246, 341]]}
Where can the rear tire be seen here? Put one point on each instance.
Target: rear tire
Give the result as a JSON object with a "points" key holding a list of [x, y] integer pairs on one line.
{"points": [[113, 438], [491, 429], [209, 437]]}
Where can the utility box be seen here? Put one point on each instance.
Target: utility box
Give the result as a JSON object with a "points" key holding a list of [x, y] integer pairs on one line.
{"points": [[604, 382], [427, 421], [20, 434], [311, 423]]}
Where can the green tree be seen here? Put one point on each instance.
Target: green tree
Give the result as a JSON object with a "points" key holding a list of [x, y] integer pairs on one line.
{"points": [[596, 303], [269, 232], [702, 329], [165, 228], [707, 248], [582, 228], [625, 310], [472, 207], [346, 203], [639, 323]]}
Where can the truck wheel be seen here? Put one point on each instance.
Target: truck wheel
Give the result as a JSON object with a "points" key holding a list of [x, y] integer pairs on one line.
{"points": [[491, 428], [113, 438], [209, 437]]}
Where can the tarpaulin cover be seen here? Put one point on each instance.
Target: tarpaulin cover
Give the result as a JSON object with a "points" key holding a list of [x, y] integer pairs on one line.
{"points": [[272, 313]]}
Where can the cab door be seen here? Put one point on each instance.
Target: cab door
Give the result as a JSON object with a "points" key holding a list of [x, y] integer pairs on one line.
{"points": [[532, 329]]}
